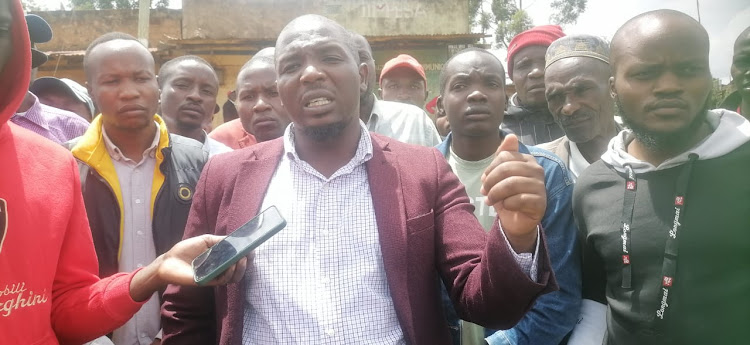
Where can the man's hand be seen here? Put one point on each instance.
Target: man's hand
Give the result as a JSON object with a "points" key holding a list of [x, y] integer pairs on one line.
{"points": [[174, 267], [514, 186]]}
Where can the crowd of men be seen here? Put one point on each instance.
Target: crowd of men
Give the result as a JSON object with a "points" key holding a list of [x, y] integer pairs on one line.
{"points": [[601, 203]]}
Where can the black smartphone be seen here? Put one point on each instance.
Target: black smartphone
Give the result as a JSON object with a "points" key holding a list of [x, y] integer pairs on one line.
{"points": [[215, 260]]}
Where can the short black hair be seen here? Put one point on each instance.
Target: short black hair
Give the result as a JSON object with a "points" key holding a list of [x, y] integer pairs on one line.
{"points": [[364, 50], [443, 73], [625, 31], [167, 68], [110, 36], [265, 55]]}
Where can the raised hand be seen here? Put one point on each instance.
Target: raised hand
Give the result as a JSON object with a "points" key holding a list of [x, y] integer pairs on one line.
{"points": [[514, 186]]}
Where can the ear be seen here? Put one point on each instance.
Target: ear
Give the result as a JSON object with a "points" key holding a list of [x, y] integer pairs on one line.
{"points": [[612, 89], [364, 72], [216, 109], [440, 110]]}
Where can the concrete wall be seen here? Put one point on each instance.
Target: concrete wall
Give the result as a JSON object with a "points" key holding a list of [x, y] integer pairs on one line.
{"points": [[74, 30], [218, 19]]}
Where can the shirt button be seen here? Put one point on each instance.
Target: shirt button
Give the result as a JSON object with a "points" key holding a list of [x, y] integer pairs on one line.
{"points": [[137, 201], [139, 232], [325, 280], [139, 266], [329, 331]]}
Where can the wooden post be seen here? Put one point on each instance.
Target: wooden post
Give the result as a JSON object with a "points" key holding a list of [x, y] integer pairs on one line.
{"points": [[144, 12]]}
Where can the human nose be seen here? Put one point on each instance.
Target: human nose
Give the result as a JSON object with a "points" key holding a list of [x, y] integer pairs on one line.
{"points": [[477, 96], [668, 84], [128, 90], [312, 74], [570, 106], [536, 72], [194, 95], [261, 105]]}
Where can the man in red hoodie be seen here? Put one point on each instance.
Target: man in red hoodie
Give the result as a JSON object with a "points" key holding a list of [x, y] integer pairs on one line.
{"points": [[49, 290]]}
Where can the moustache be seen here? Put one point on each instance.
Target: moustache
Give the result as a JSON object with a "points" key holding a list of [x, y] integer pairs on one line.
{"points": [[667, 103]]}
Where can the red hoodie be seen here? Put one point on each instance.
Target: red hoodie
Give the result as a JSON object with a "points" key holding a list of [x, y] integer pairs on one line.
{"points": [[49, 290]]}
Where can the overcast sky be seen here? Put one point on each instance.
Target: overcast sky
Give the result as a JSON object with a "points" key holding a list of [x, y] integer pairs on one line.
{"points": [[724, 20]]}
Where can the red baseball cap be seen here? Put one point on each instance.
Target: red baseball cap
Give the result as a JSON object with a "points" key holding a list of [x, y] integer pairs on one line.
{"points": [[403, 60]]}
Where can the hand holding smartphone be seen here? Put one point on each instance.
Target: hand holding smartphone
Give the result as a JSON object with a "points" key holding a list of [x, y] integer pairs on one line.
{"points": [[214, 261]]}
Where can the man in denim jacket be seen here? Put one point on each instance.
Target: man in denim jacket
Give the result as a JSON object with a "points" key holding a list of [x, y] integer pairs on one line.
{"points": [[472, 96]]}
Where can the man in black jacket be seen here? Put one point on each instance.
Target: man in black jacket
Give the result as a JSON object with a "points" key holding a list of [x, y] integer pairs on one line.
{"points": [[137, 179], [677, 179]]}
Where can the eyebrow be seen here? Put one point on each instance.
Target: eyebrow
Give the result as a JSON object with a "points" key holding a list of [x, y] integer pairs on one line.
{"points": [[579, 80]]}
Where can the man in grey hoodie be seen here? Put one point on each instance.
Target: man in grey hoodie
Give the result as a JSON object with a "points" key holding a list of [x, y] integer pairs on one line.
{"points": [[676, 178]]}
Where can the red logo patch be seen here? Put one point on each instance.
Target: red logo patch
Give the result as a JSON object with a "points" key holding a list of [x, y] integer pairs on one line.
{"points": [[626, 259], [667, 281], [679, 200], [630, 185]]}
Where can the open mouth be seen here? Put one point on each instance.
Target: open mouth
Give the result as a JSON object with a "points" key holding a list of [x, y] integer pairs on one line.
{"points": [[318, 102]]}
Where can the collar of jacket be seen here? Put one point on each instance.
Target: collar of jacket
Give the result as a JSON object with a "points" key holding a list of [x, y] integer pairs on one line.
{"points": [[92, 151], [444, 147]]}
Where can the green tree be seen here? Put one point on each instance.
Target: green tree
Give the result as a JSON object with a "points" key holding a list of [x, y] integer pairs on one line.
{"points": [[510, 18], [718, 93], [567, 11]]}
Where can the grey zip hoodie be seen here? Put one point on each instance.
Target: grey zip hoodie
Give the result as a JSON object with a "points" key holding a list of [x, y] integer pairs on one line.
{"points": [[731, 130]]}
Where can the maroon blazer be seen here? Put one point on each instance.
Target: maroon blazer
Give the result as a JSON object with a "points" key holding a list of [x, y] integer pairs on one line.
{"points": [[427, 231]]}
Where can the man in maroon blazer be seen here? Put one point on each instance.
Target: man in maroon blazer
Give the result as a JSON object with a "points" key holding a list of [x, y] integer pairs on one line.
{"points": [[372, 224]]}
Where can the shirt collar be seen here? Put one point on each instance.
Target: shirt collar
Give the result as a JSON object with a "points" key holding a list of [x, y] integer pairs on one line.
{"points": [[34, 114], [577, 163], [364, 147], [117, 154], [376, 109]]}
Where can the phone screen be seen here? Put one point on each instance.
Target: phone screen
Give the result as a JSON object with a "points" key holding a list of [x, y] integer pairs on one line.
{"points": [[231, 249]]}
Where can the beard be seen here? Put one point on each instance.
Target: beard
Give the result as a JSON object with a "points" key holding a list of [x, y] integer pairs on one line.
{"points": [[671, 142], [325, 132]]}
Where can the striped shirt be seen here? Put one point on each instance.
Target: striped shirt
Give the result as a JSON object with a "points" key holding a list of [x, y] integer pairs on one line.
{"points": [[532, 127], [322, 279], [54, 124]]}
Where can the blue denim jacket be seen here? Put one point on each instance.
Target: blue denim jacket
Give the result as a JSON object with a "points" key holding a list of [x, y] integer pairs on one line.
{"points": [[553, 315]]}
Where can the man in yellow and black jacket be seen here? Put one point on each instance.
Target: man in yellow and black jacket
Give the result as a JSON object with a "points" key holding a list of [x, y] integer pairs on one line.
{"points": [[137, 179]]}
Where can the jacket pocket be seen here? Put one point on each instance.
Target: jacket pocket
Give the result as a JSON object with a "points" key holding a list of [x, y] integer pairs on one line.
{"points": [[421, 223]]}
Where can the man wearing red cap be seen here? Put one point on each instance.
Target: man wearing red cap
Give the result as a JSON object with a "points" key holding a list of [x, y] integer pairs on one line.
{"points": [[527, 115], [403, 80]]}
